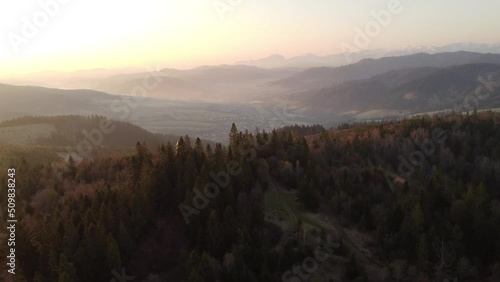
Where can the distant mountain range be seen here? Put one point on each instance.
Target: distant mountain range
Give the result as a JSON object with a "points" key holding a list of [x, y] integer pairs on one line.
{"points": [[334, 60], [409, 91], [207, 97], [328, 76]]}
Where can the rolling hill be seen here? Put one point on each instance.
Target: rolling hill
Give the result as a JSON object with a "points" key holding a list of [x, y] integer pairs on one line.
{"points": [[30, 100], [407, 91], [67, 131], [58, 137], [222, 84], [207, 120]]}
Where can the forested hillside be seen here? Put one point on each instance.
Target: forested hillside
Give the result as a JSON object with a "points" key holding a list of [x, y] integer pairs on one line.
{"points": [[427, 189], [412, 200], [68, 130]]}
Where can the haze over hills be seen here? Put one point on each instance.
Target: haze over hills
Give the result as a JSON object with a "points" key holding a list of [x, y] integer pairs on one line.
{"points": [[185, 81], [334, 60], [66, 80], [209, 121], [201, 101], [250, 141], [225, 83]]}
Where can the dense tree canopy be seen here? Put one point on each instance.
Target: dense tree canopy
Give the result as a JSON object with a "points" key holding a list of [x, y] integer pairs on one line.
{"points": [[189, 212]]}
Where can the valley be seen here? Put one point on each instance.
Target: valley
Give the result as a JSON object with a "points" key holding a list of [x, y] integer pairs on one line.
{"points": [[316, 165]]}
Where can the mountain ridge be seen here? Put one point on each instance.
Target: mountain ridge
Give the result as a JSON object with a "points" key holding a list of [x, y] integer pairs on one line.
{"points": [[406, 91]]}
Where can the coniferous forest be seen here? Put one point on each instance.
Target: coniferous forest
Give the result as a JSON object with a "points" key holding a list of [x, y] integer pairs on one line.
{"points": [[416, 199]]}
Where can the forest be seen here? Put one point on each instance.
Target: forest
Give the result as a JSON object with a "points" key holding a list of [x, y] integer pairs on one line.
{"points": [[421, 196]]}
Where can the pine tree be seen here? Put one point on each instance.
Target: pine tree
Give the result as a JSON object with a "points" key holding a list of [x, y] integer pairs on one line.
{"points": [[233, 138], [71, 167], [66, 270], [422, 253], [113, 260]]}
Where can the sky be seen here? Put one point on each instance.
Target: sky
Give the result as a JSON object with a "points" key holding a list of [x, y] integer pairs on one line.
{"points": [[69, 35]]}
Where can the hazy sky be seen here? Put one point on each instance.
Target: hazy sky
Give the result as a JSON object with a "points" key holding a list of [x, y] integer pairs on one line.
{"points": [[82, 34]]}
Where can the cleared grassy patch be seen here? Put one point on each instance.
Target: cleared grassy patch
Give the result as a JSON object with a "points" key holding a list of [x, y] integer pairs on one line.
{"points": [[278, 202], [275, 201], [25, 134]]}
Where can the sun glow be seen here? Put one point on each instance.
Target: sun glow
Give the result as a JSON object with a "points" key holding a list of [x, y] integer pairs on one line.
{"points": [[67, 35]]}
